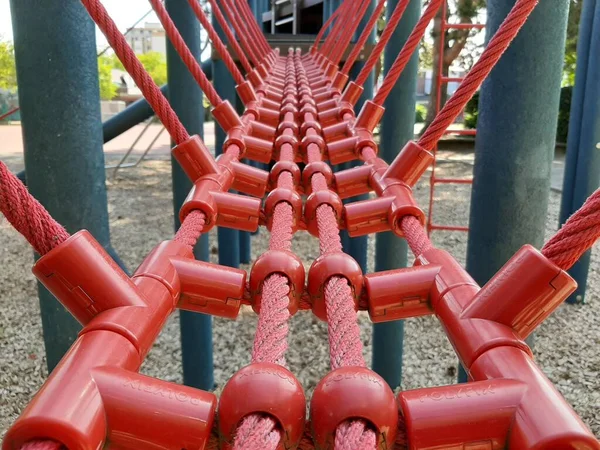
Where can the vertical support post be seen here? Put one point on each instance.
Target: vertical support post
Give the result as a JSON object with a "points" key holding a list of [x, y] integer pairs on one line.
{"points": [[186, 98], [511, 187], [582, 169], [63, 146], [397, 128], [229, 240], [357, 247], [244, 236]]}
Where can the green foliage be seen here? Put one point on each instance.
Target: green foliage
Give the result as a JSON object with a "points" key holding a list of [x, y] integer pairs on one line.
{"points": [[472, 112], [571, 42], [564, 112], [107, 88], [420, 113], [156, 65], [8, 73]]}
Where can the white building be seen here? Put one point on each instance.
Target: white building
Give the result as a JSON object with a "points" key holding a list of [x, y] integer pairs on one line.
{"points": [[149, 38]]}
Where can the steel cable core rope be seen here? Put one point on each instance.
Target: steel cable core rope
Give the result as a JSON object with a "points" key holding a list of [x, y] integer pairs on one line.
{"points": [[245, 41], [350, 30]]}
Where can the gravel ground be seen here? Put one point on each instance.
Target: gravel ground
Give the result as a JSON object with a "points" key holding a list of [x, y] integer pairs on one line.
{"points": [[567, 344]]}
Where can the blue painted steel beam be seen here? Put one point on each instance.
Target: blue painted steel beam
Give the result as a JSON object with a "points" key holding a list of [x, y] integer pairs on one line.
{"points": [[63, 158], [516, 135], [186, 98], [582, 168], [397, 128]]}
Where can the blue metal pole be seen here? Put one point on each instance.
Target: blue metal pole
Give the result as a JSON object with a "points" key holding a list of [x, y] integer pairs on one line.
{"points": [[511, 187], [582, 167], [228, 239], [186, 98], [397, 128], [357, 247], [63, 158]]}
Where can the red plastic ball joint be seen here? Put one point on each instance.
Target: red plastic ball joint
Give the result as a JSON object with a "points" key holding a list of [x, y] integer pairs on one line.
{"points": [[317, 199], [327, 266], [284, 166], [353, 393], [283, 195], [277, 262], [268, 389], [313, 168]]}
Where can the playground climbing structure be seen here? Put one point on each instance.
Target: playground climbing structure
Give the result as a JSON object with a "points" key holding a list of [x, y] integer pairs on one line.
{"points": [[299, 110]]}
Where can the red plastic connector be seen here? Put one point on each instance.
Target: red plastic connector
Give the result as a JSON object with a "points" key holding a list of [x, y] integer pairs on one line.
{"points": [[221, 208], [85, 279], [283, 195], [195, 158], [327, 266], [316, 167], [353, 393], [410, 164], [383, 213], [263, 388], [317, 199], [284, 166], [209, 288], [249, 180], [277, 262], [92, 398], [542, 287], [352, 182], [477, 415], [401, 293], [226, 116]]}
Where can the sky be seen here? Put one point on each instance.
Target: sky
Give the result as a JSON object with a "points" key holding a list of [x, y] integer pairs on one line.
{"points": [[124, 12]]}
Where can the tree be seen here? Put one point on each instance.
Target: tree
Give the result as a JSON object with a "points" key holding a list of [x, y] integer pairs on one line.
{"points": [[571, 43], [156, 65], [463, 11], [8, 73], [108, 89]]}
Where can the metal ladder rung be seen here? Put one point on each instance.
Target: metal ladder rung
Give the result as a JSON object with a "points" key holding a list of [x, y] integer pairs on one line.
{"points": [[462, 132], [447, 228], [452, 79], [453, 181], [463, 26], [284, 21]]}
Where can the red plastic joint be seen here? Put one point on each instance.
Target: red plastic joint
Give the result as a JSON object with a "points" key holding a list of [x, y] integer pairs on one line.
{"points": [[477, 415], [352, 93], [258, 149], [249, 180], [85, 279], [410, 164], [316, 167], [284, 166], [263, 388], [338, 131], [330, 265], [93, 397], [209, 288], [317, 199], [542, 287], [369, 117], [277, 262], [352, 182], [226, 116], [383, 213], [401, 293], [283, 195], [246, 93], [195, 158], [314, 139], [221, 208], [353, 393]]}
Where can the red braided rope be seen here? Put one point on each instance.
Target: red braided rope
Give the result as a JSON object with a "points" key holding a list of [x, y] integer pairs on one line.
{"points": [[8, 113], [253, 25], [350, 30], [245, 40], [27, 215], [324, 28], [368, 30], [230, 37], [383, 40], [576, 236], [216, 41], [43, 445], [345, 10], [494, 50], [134, 67], [185, 54], [410, 46]]}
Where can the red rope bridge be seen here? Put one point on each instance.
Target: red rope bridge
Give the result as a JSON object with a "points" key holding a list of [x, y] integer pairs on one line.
{"points": [[299, 109]]}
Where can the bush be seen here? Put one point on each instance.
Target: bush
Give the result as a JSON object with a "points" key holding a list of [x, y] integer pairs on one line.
{"points": [[472, 112], [420, 113], [564, 112], [562, 128]]}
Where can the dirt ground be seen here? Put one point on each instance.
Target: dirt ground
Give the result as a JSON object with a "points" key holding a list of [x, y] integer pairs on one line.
{"points": [[567, 345]]}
